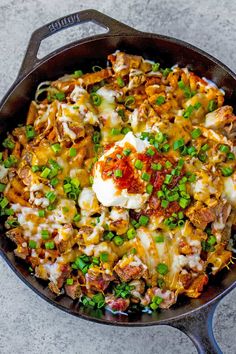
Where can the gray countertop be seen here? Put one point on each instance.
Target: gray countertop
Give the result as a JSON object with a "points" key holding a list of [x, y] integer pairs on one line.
{"points": [[27, 323]]}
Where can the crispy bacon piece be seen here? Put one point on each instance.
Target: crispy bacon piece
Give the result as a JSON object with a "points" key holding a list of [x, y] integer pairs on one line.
{"points": [[118, 304], [197, 286], [200, 216], [74, 290]]}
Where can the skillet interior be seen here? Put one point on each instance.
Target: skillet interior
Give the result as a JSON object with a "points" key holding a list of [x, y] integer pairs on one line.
{"points": [[83, 55]]}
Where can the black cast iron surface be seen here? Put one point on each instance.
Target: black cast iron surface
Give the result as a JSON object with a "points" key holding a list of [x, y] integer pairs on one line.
{"points": [[193, 316]]}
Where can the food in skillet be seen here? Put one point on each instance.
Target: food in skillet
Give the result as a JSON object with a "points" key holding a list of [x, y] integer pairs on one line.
{"points": [[120, 190]]}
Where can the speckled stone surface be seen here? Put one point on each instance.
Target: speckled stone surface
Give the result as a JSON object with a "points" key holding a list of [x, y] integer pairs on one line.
{"points": [[27, 323]]}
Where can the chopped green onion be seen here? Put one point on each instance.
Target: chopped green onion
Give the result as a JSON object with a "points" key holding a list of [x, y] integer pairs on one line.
{"points": [[4, 202], [54, 182], [45, 172], [149, 188], [104, 257], [96, 99], [143, 220], [30, 132], [165, 148], [224, 148], [8, 143], [159, 137], [155, 67], [227, 171], [127, 152], [145, 176], [69, 281], [211, 240], [115, 131], [212, 105], [77, 218], [32, 244], [160, 100], [166, 71], [178, 144], [184, 202], [2, 187], [49, 245], [125, 130], [138, 164], [168, 179], [230, 156], [120, 82], [205, 147], [121, 113], [168, 164], [164, 203], [118, 240], [159, 238], [150, 152], [131, 233], [197, 105], [50, 196], [45, 234], [78, 73], [162, 268], [41, 213], [118, 173], [129, 100], [73, 152], [13, 222], [196, 133], [156, 166], [56, 148], [189, 110], [192, 151], [202, 157], [10, 161]]}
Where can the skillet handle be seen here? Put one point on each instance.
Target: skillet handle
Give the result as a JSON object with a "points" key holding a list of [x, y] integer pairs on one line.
{"points": [[113, 27], [199, 328]]}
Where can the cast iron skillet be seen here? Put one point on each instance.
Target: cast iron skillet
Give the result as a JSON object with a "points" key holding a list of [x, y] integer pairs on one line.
{"points": [[192, 316]]}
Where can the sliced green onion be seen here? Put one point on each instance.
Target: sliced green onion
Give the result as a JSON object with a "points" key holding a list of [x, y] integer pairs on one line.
{"points": [[4, 202], [184, 202], [69, 281], [127, 152], [196, 133], [45, 172], [156, 166], [96, 99], [10, 161], [2, 187], [118, 240], [115, 131], [56, 148], [168, 179], [164, 203], [32, 244], [159, 238], [168, 164], [165, 148], [77, 218], [227, 171], [131, 233], [150, 152], [230, 156], [120, 82], [129, 101], [30, 132], [78, 73], [138, 164], [189, 110], [50, 196], [145, 176], [54, 182], [224, 148], [143, 220], [162, 268], [178, 144], [104, 257], [125, 130], [49, 245], [212, 105], [73, 152], [118, 173], [41, 213], [149, 188], [160, 100], [155, 67], [205, 147], [8, 143]]}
